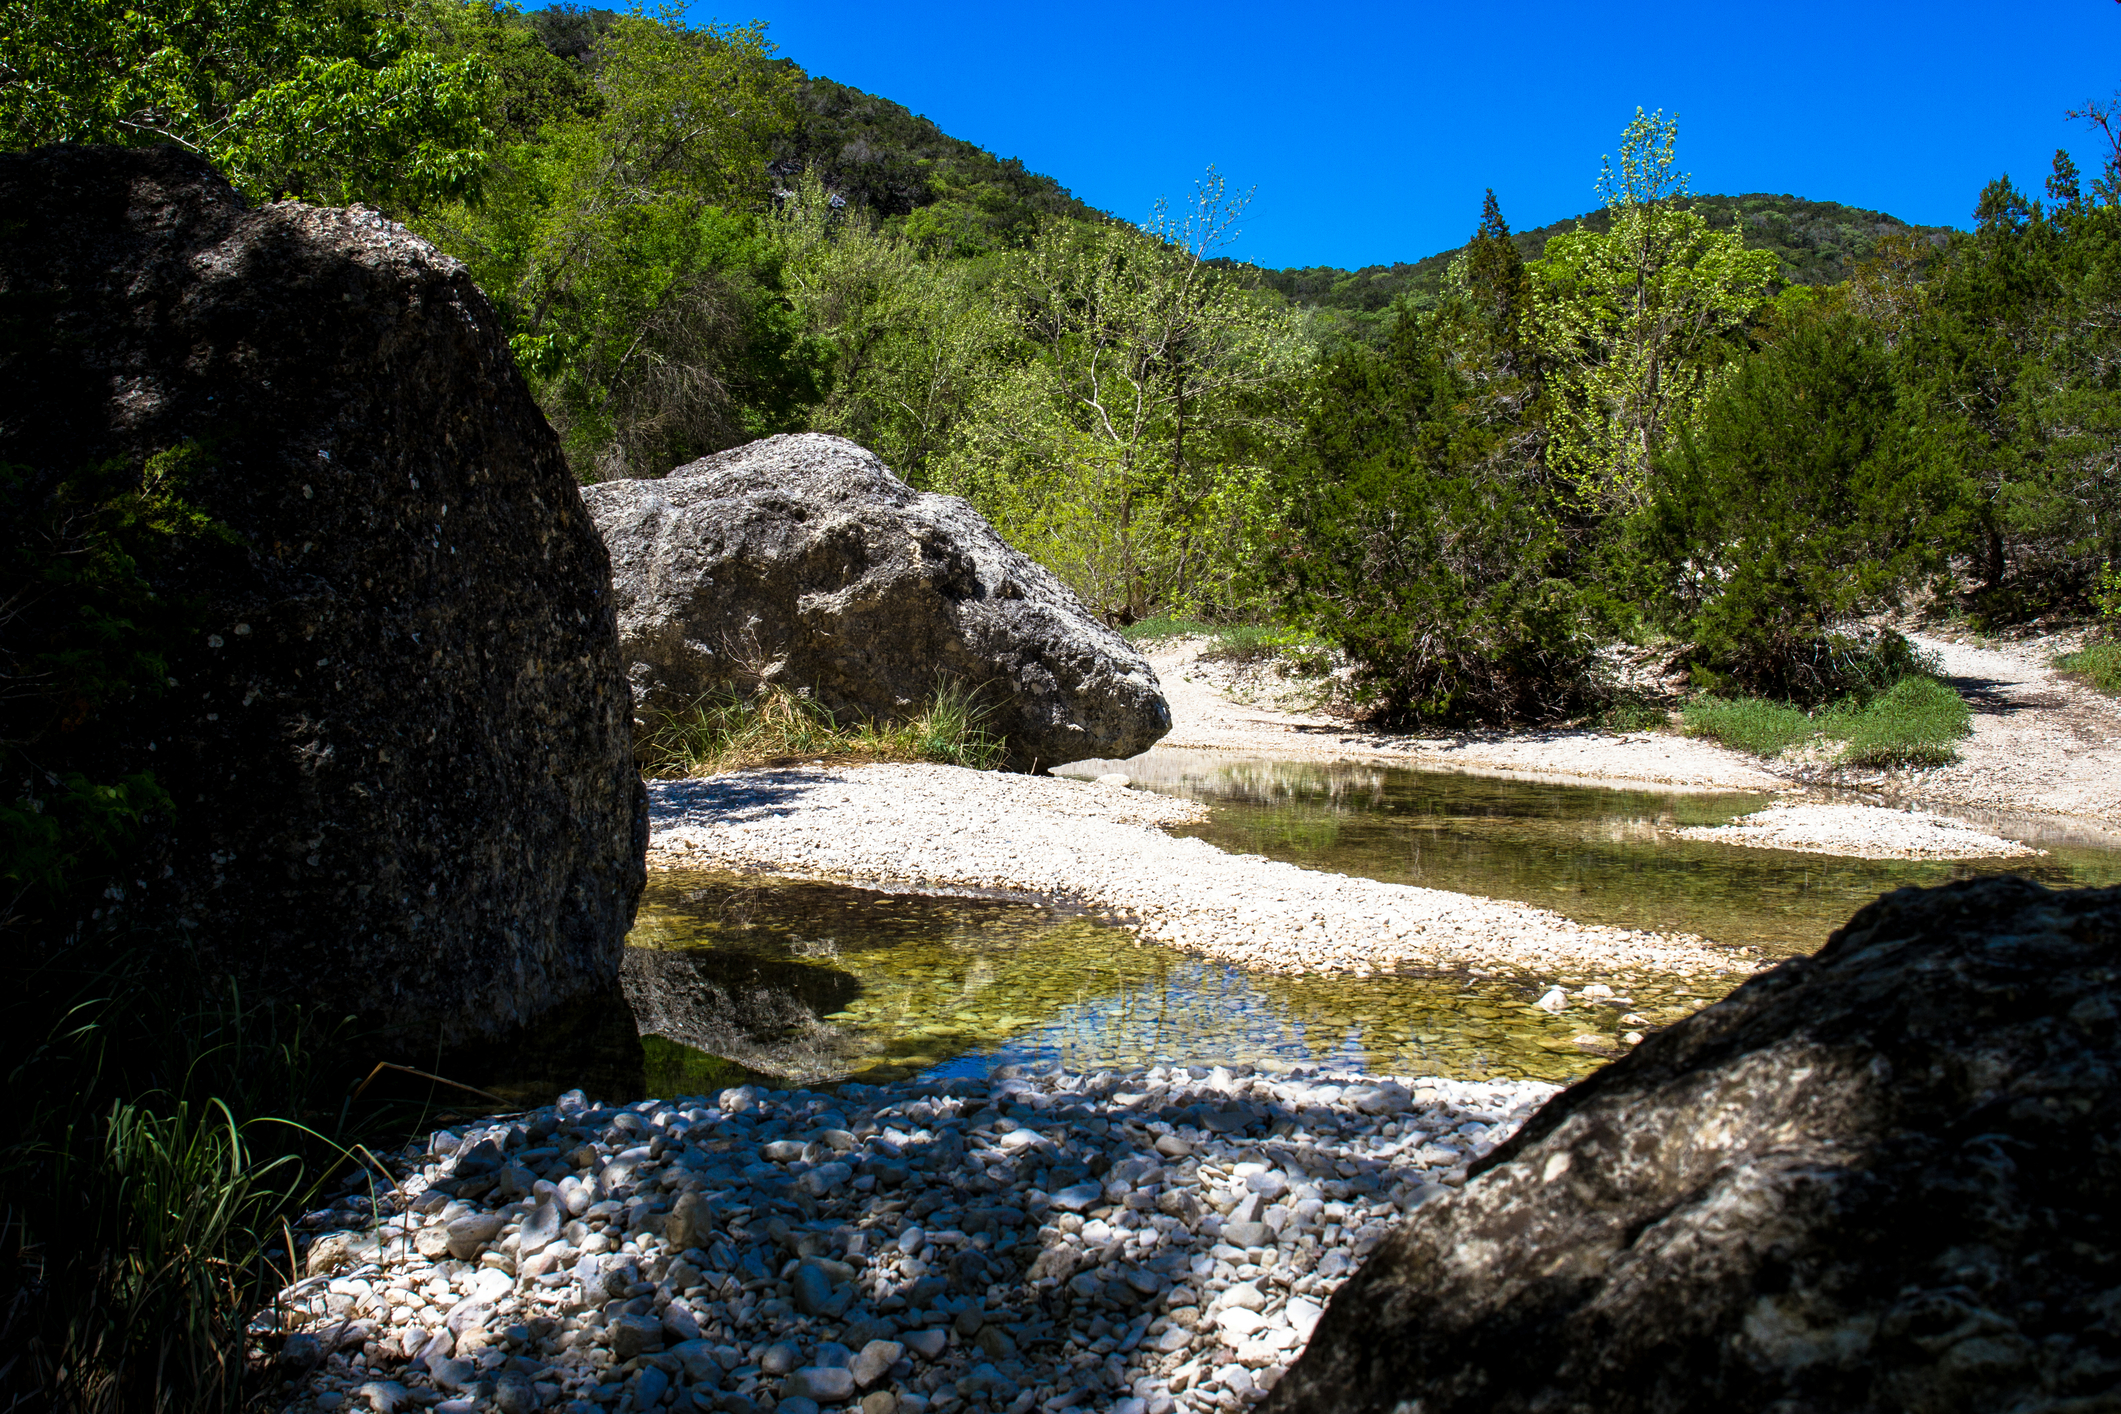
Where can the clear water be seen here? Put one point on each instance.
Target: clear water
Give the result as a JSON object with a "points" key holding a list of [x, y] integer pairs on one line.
{"points": [[797, 982], [1594, 854], [953, 985]]}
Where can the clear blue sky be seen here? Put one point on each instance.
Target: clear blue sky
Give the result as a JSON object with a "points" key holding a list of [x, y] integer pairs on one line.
{"points": [[1370, 131]]}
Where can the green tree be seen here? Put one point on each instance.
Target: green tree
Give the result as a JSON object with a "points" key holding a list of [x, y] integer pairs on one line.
{"points": [[323, 99], [1127, 448], [1638, 322], [1800, 504], [622, 244], [1423, 532]]}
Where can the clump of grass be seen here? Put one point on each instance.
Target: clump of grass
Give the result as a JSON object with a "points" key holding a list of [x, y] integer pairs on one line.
{"points": [[1751, 724], [1915, 722], [1630, 716], [148, 1172], [2097, 663], [1918, 721], [730, 731]]}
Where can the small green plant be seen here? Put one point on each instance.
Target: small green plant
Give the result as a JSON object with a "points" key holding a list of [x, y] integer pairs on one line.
{"points": [[1916, 722], [2097, 663], [732, 730], [1625, 715], [1751, 724]]}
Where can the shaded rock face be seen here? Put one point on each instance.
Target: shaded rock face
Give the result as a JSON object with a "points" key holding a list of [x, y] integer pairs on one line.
{"points": [[761, 1012], [1882, 1178], [803, 560], [399, 746]]}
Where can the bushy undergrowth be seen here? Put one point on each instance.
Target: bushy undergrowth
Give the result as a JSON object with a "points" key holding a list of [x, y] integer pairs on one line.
{"points": [[733, 730], [1918, 721], [2097, 663], [154, 1153]]}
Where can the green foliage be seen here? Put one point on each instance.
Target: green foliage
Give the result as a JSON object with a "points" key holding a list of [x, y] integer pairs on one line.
{"points": [[622, 247], [1638, 322], [1751, 724], [1123, 440], [1815, 244], [2097, 663], [733, 730], [324, 99], [149, 1167], [1917, 721], [1423, 535], [84, 641], [1799, 506]]}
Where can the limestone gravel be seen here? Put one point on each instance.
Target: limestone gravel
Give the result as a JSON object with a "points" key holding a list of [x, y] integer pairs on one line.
{"points": [[951, 828], [1140, 1242], [1861, 831]]}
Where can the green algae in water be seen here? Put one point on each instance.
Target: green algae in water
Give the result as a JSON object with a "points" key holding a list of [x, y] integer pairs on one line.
{"points": [[1594, 854], [955, 985]]}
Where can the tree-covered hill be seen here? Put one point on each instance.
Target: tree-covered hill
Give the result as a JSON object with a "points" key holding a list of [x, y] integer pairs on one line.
{"points": [[1817, 243]]}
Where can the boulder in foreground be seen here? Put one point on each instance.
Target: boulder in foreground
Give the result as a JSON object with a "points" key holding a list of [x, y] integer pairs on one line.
{"points": [[1881, 1178], [803, 561], [398, 742]]}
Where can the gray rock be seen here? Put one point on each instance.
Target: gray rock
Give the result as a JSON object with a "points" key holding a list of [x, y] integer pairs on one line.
{"points": [[698, 1360], [679, 1324], [630, 1335], [875, 1361], [514, 1393], [690, 1223], [1079, 1197], [649, 1386], [813, 1290], [384, 1396], [824, 1179], [824, 1383], [985, 1381], [469, 1234], [456, 1375], [539, 1230], [401, 731], [302, 1352], [796, 1404], [470, 1314], [780, 1358], [803, 560], [1249, 1235], [1877, 1178], [927, 1343]]}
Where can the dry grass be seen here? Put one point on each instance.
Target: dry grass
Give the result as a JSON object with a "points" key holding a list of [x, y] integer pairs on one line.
{"points": [[733, 731]]}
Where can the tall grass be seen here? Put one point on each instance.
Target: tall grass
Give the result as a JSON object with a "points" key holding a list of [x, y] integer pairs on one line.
{"points": [[2097, 663], [1918, 721], [731, 730], [152, 1155]]}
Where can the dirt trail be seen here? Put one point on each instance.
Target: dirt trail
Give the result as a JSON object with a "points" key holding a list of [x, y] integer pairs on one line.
{"points": [[2042, 744]]}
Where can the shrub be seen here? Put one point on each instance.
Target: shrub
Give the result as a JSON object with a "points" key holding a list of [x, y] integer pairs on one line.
{"points": [[1798, 505]]}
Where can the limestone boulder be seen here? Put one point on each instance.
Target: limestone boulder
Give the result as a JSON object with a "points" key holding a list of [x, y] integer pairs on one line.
{"points": [[802, 560], [397, 737], [1879, 1178]]}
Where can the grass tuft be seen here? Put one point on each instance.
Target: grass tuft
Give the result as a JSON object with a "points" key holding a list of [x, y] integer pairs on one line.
{"points": [[2099, 664], [731, 731], [1918, 721]]}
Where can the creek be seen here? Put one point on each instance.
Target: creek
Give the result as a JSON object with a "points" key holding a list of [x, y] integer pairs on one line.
{"points": [[746, 977]]}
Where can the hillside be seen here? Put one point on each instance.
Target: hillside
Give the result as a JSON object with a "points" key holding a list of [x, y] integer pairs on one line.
{"points": [[1818, 243]]}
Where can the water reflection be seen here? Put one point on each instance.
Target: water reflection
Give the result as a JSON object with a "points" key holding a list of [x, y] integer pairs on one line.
{"points": [[881, 986], [1597, 855]]}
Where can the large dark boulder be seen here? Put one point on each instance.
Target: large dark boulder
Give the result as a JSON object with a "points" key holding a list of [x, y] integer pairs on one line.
{"points": [[802, 560], [398, 742], [1887, 1177]]}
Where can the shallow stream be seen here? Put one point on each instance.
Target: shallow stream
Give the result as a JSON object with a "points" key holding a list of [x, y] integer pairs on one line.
{"points": [[743, 977]]}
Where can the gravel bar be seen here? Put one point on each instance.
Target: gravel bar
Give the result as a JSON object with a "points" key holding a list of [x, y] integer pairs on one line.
{"points": [[943, 827], [1861, 832], [1139, 1242]]}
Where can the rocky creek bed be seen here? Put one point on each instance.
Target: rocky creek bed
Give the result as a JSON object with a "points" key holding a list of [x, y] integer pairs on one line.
{"points": [[947, 827], [1142, 1242]]}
